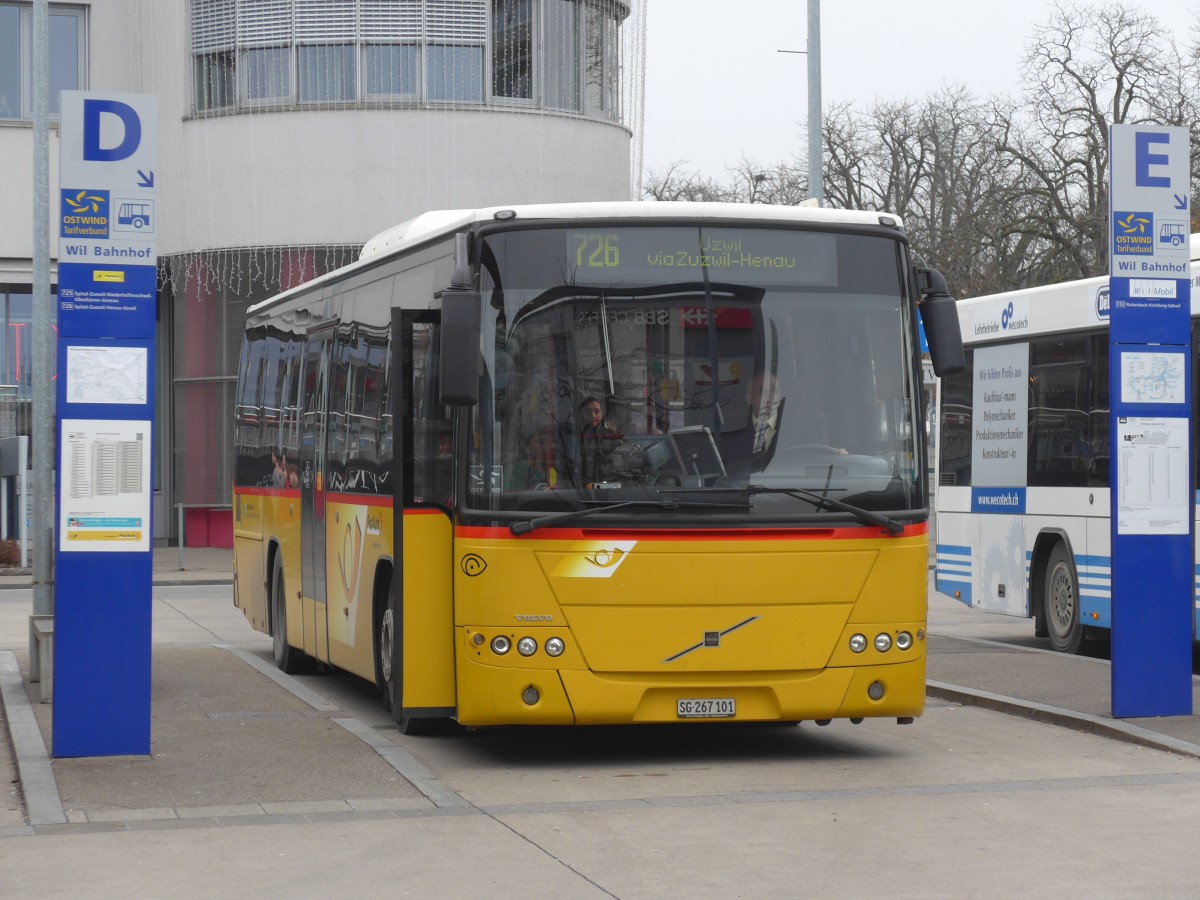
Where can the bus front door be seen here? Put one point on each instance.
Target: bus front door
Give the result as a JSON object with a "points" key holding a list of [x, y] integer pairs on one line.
{"points": [[313, 478]]}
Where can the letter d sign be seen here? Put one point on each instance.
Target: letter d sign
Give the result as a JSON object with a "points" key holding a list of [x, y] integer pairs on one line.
{"points": [[94, 112]]}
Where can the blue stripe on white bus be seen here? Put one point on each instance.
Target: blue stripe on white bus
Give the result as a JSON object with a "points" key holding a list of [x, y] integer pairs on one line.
{"points": [[1095, 589], [953, 559], [959, 590]]}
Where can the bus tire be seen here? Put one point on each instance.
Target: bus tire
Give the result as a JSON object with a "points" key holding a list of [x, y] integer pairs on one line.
{"points": [[1061, 599], [287, 657], [385, 637]]}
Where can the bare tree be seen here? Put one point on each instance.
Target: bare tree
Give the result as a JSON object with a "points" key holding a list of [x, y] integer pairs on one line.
{"points": [[676, 183], [999, 193], [1087, 68], [932, 162]]}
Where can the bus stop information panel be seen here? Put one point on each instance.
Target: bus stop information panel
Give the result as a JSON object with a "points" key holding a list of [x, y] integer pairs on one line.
{"points": [[107, 222], [1153, 561]]}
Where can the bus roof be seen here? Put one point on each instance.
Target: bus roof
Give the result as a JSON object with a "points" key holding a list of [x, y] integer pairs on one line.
{"points": [[440, 223], [434, 224], [1051, 308]]}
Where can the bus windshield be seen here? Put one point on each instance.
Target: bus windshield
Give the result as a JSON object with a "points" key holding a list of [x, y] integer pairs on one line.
{"points": [[760, 369]]}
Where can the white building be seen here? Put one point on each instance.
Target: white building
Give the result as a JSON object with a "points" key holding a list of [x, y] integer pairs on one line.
{"points": [[291, 131]]}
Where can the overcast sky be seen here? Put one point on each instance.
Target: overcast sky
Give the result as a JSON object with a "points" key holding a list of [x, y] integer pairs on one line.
{"points": [[717, 89]]}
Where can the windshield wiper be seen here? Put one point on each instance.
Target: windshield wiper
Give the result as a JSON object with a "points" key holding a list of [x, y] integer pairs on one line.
{"points": [[863, 515], [527, 525]]}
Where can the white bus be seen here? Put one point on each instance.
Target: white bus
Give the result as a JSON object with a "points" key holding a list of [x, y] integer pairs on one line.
{"points": [[1023, 463]]}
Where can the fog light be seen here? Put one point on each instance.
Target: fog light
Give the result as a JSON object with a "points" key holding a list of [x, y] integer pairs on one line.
{"points": [[477, 639], [883, 642], [501, 645], [903, 640], [858, 643], [875, 691], [530, 695], [555, 647], [527, 646]]}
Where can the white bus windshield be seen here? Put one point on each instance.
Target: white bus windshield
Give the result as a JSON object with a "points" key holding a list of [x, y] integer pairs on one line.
{"points": [[698, 363]]}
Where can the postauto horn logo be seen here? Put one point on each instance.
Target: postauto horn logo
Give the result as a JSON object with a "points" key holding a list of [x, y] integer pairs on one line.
{"points": [[85, 214]]}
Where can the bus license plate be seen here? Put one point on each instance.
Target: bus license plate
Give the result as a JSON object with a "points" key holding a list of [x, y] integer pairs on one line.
{"points": [[708, 708]]}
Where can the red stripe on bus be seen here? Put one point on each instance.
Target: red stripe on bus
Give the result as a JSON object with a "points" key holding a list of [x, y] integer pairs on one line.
{"points": [[749, 534], [359, 499], [267, 492]]}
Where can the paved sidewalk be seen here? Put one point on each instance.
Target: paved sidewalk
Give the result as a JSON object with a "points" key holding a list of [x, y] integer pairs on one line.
{"points": [[968, 663]]}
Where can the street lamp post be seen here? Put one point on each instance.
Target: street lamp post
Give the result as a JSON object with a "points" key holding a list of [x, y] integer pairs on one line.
{"points": [[42, 514], [816, 183]]}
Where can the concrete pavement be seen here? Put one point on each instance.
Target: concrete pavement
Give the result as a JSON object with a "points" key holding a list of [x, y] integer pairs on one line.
{"points": [[996, 662], [303, 758]]}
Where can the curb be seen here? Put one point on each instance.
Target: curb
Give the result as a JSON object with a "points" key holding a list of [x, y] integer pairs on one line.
{"points": [[1065, 718], [43, 805]]}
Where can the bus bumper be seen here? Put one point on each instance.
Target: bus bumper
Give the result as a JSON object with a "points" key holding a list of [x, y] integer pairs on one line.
{"points": [[491, 695]]}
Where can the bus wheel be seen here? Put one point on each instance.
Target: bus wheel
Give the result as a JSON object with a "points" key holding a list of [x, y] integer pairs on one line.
{"points": [[288, 658], [1061, 599], [385, 636]]}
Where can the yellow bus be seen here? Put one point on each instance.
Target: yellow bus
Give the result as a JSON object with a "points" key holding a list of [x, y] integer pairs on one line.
{"points": [[426, 495]]}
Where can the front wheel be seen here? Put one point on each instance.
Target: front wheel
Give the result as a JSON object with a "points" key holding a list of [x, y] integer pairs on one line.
{"points": [[387, 678], [1061, 599], [385, 637], [287, 657]]}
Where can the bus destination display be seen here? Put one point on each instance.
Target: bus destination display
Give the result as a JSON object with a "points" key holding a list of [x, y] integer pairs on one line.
{"points": [[721, 253]]}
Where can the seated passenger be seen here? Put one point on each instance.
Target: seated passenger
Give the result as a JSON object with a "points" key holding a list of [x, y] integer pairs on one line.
{"points": [[596, 441]]}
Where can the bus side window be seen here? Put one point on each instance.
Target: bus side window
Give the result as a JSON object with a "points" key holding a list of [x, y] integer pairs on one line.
{"points": [[1098, 412]]}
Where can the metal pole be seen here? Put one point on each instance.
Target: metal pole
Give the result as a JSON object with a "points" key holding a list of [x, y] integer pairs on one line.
{"points": [[23, 510], [44, 317], [180, 505], [816, 185]]}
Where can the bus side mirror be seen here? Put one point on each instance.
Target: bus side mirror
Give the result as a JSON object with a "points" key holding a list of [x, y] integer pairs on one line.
{"points": [[458, 357], [939, 315]]}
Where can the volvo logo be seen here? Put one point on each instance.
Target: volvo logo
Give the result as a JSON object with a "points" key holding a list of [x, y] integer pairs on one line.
{"points": [[534, 618], [710, 639]]}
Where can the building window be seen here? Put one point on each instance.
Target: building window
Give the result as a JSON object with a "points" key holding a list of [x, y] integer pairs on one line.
{"points": [[391, 71], [215, 80], [555, 54], [67, 43], [512, 49], [454, 74], [328, 74], [600, 75], [268, 73], [560, 54]]}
